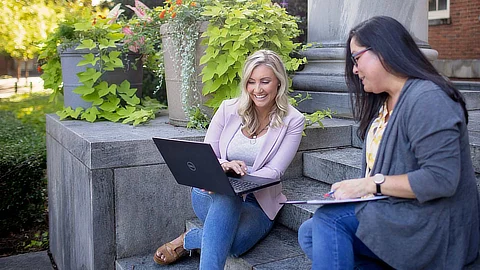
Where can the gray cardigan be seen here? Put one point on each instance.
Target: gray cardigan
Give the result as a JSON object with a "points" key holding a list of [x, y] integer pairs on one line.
{"points": [[427, 138]]}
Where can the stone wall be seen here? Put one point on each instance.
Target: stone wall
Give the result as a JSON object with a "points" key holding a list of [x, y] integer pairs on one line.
{"points": [[110, 192]]}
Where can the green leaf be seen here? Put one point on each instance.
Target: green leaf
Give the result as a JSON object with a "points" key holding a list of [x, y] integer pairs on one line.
{"points": [[115, 36], [110, 116], [219, 96], [69, 112], [208, 71], [126, 111], [90, 74], [83, 26], [124, 88], [88, 59], [114, 54], [93, 98], [212, 11], [90, 114], [131, 100], [105, 43], [139, 116], [222, 65], [111, 64], [111, 104], [84, 89], [103, 89], [86, 44], [244, 35], [275, 40]]}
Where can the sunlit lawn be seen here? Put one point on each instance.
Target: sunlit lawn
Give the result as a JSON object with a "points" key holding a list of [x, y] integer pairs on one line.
{"points": [[31, 108]]}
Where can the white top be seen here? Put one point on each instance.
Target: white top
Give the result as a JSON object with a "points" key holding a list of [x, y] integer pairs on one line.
{"points": [[243, 148]]}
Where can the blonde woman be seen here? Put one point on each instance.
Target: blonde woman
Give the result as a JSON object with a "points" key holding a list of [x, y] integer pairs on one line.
{"points": [[257, 134]]}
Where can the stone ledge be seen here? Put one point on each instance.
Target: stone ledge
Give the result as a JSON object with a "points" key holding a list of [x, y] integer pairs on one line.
{"points": [[112, 145]]}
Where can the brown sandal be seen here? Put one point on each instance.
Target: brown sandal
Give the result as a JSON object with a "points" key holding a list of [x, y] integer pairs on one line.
{"points": [[170, 252]]}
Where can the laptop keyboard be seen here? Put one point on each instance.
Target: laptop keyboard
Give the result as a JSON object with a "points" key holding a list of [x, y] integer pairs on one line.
{"points": [[240, 185]]}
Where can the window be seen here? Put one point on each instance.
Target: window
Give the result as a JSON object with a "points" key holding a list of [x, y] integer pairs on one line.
{"points": [[438, 9]]}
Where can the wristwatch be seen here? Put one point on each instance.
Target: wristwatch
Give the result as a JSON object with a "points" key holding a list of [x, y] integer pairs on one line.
{"points": [[378, 179]]}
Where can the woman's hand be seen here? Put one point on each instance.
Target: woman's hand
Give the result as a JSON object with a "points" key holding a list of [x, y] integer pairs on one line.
{"points": [[353, 188], [238, 166]]}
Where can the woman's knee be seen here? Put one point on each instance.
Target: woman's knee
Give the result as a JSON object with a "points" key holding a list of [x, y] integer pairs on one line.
{"points": [[335, 217], [305, 233], [201, 202]]}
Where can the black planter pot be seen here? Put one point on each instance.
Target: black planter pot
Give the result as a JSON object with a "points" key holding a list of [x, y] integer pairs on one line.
{"points": [[132, 72]]}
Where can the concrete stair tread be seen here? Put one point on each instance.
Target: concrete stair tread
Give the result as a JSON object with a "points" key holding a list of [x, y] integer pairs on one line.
{"points": [[333, 165], [279, 250], [146, 263], [303, 188]]}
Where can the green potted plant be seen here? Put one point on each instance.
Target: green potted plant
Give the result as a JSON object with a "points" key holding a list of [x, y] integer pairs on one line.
{"points": [[205, 44], [181, 27], [107, 55], [208, 42]]}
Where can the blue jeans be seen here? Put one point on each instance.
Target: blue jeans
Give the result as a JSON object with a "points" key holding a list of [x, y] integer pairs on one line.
{"points": [[231, 226], [329, 240]]}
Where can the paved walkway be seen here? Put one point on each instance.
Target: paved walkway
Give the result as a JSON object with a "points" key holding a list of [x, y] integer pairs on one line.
{"points": [[7, 86], [31, 261]]}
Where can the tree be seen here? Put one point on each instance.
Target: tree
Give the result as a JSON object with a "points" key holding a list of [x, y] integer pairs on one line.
{"points": [[26, 22]]}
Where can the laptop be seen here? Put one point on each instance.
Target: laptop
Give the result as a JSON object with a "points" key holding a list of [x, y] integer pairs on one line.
{"points": [[195, 164]]}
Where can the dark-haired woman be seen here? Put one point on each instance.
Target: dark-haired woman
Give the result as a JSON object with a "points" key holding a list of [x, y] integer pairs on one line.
{"points": [[416, 150]]}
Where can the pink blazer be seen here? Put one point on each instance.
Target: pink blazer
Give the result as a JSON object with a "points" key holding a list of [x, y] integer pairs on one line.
{"points": [[278, 151]]}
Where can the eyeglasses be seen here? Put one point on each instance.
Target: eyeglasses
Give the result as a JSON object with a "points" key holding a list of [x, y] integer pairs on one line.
{"points": [[358, 54]]}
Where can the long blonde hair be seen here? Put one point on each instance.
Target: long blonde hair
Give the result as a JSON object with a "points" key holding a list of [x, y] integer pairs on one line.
{"points": [[246, 108]]}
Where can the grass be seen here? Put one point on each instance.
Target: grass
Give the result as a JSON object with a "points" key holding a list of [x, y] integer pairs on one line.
{"points": [[31, 110]]}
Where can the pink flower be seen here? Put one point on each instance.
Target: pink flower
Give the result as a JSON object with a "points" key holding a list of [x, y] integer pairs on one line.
{"points": [[127, 31], [133, 45], [141, 10], [114, 13]]}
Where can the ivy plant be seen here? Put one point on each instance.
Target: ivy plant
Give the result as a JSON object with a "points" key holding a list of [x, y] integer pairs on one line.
{"points": [[238, 28]]}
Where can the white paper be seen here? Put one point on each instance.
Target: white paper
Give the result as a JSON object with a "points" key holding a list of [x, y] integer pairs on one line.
{"points": [[330, 201]]}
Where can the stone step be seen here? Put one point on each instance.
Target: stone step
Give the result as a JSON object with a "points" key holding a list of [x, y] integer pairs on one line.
{"points": [[467, 85], [330, 166], [335, 101], [335, 133], [146, 263], [303, 188], [279, 250], [472, 99], [339, 102]]}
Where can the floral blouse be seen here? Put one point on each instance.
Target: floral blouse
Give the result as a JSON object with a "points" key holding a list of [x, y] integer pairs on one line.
{"points": [[374, 136]]}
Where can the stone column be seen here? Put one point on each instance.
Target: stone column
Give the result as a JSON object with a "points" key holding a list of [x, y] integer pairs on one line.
{"points": [[329, 22]]}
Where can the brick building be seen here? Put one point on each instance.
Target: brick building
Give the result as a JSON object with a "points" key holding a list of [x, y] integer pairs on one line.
{"points": [[454, 31]]}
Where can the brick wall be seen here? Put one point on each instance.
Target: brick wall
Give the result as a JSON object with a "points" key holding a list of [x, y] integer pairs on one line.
{"points": [[460, 37]]}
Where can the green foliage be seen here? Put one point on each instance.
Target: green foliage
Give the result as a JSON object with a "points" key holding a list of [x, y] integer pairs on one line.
{"points": [[316, 118], [64, 36], [313, 118], [20, 27], [40, 241], [22, 179], [101, 36], [182, 24], [30, 109], [237, 29], [198, 119]]}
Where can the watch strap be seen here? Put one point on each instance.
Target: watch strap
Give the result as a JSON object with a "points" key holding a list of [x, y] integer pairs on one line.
{"points": [[379, 190]]}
